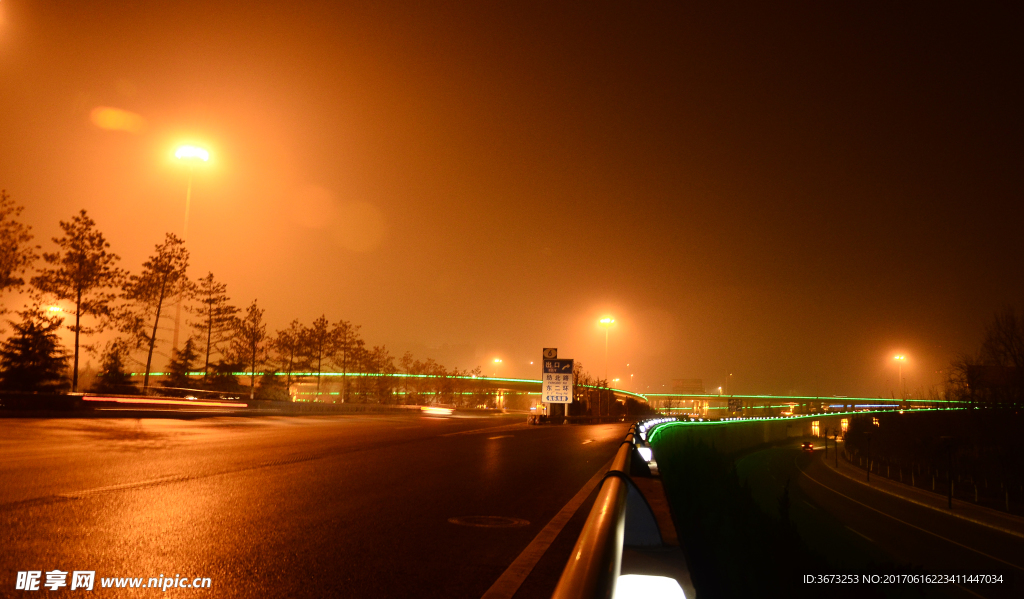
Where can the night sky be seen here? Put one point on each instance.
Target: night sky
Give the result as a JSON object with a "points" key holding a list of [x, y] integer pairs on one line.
{"points": [[791, 194]]}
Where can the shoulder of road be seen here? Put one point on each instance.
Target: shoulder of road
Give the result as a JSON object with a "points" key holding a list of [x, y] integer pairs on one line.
{"points": [[1001, 521]]}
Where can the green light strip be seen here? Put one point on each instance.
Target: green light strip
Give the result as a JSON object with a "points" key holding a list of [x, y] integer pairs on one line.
{"points": [[403, 375], [807, 397], [787, 418]]}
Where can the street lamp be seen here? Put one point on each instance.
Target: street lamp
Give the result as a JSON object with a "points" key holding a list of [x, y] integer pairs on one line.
{"points": [[190, 155], [607, 321], [900, 359]]}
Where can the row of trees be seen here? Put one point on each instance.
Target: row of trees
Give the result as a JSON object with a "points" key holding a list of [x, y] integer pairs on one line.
{"points": [[222, 340], [994, 376]]}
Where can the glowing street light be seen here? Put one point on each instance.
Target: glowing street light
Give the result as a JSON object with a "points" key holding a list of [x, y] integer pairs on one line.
{"points": [[188, 152], [190, 155], [607, 321], [900, 359]]}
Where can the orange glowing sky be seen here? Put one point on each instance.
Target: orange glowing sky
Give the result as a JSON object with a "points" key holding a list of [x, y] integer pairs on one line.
{"points": [[792, 198]]}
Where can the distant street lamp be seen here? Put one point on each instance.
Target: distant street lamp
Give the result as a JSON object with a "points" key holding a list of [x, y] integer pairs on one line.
{"points": [[607, 321], [190, 155], [900, 359]]}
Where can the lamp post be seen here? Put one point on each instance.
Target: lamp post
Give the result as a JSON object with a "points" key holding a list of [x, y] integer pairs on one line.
{"points": [[900, 359], [607, 321], [191, 155]]}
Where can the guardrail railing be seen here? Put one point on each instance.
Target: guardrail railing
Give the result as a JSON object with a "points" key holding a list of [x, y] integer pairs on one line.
{"points": [[620, 517]]}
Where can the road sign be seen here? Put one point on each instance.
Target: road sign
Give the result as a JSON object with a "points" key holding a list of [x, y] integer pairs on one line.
{"points": [[550, 353], [557, 381]]}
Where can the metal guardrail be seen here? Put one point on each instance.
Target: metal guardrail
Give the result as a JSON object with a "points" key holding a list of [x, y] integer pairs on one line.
{"points": [[595, 563]]}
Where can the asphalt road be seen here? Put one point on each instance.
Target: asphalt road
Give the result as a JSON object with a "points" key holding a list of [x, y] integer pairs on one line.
{"points": [[349, 506], [862, 530]]}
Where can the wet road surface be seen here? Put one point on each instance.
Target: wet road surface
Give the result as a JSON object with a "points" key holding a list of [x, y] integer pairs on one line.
{"points": [[353, 506]]}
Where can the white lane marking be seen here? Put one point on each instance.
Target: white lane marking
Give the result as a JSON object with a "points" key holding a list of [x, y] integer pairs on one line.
{"points": [[992, 557], [859, 534], [500, 437], [488, 429], [923, 504], [489, 521], [510, 580], [587, 441]]}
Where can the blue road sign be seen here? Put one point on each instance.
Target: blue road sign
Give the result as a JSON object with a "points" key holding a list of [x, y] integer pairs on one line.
{"points": [[557, 381]]}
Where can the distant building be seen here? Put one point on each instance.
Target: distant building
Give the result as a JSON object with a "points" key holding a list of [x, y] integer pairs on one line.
{"points": [[688, 386]]}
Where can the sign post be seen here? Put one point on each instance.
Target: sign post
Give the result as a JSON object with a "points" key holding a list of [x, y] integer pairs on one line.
{"points": [[557, 381]]}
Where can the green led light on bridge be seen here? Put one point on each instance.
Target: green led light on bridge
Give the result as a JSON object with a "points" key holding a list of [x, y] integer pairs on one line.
{"points": [[404, 375], [739, 420]]}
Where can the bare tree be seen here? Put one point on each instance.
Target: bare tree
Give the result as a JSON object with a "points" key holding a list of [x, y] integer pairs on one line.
{"points": [[83, 271], [16, 253], [1004, 340], [996, 375], [163, 277]]}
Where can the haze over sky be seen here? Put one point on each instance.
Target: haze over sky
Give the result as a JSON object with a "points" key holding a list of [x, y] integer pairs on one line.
{"points": [[789, 194]]}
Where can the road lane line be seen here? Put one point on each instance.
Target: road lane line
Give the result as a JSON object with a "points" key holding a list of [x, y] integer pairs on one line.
{"points": [[155, 482], [510, 581], [859, 534], [489, 429], [931, 507], [992, 557]]}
